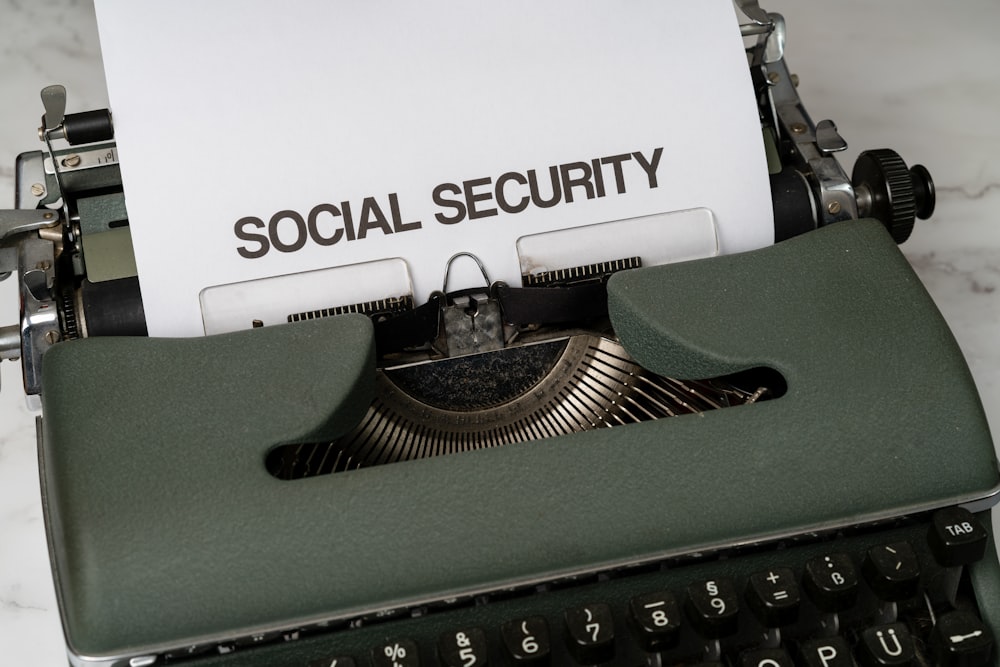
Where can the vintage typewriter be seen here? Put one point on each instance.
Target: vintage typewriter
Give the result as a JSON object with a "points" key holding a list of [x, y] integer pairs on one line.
{"points": [[736, 461]]}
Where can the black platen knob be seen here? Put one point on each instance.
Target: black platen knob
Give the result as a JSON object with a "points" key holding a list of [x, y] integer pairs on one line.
{"points": [[890, 192], [88, 126]]}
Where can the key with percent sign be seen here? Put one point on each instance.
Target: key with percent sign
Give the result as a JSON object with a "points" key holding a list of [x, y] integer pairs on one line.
{"points": [[402, 653]]}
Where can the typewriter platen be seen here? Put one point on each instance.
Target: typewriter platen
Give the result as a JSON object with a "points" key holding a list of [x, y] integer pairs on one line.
{"points": [[582, 526]]}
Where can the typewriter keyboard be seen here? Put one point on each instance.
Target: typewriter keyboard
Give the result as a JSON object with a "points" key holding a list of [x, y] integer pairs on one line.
{"points": [[894, 594]]}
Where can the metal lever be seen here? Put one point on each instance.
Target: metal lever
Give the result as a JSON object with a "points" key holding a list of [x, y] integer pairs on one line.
{"points": [[760, 22], [828, 140], [19, 221], [54, 103]]}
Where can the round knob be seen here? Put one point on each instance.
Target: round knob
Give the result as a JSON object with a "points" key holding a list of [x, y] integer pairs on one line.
{"points": [[891, 193]]}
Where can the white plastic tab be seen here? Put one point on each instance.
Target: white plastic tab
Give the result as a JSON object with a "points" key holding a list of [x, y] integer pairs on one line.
{"points": [[656, 239], [268, 301]]}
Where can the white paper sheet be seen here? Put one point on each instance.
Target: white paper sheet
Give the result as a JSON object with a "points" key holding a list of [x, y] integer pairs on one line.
{"points": [[246, 131]]}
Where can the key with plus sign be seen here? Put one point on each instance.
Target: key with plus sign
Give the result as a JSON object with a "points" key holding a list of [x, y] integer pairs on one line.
{"points": [[773, 596]]}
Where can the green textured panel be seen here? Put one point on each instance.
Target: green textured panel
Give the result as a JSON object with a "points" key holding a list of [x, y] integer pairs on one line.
{"points": [[774, 165], [98, 212], [167, 529], [140, 446], [109, 255]]}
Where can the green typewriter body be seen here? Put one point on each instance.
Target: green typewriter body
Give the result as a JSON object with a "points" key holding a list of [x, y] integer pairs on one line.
{"points": [[169, 536], [767, 459]]}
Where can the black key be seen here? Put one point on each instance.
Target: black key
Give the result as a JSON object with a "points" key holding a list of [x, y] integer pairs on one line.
{"points": [[401, 653], [961, 640], [832, 582], [829, 652], [713, 607], [463, 648], [656, 618], [340, 661], [893, 571], [766, 657], [773, 597], [590, 633], [956, 537], [527, 640], [886, 645]]}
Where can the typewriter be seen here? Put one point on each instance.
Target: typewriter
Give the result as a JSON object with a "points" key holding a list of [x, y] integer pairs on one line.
{"points": [[739, 461]]}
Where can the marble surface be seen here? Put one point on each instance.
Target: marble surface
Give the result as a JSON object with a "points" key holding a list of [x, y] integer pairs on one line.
{"points": [[911, 75]]}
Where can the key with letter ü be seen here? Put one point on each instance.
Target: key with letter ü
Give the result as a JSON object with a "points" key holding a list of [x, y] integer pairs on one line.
{"points": [[886, 645]]}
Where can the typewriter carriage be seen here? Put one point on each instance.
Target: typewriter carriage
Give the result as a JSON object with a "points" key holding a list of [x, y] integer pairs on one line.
{"points": [[68, 239]]}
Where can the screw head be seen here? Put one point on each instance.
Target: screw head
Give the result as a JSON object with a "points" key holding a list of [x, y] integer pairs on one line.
{"points": [[833, 207], [798, 128], [37, 189], [51, 336], [774, 77], [73, 160]]}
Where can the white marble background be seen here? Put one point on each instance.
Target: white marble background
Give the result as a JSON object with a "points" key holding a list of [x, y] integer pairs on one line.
{"points": [[916, 76]]}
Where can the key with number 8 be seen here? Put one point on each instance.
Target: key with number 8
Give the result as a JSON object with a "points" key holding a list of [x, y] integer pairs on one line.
{"points": [[656, 619]]}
